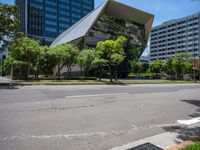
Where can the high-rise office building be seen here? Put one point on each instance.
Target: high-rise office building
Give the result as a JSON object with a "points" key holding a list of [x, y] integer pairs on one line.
{"points": [[175, 36], [44, 20]]}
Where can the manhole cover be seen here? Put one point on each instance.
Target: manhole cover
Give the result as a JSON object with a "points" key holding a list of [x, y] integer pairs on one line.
{"points": [[146, 146]]}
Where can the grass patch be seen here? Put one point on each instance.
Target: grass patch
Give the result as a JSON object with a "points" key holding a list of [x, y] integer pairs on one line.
{"points": [[96, 82], [62, 82], [194, 146]]}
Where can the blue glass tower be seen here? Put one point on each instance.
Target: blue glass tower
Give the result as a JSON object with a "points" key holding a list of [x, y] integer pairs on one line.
{"points": [[44, 20]]}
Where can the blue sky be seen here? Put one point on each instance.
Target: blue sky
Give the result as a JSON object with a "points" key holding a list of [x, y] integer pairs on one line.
{"points": [[163, 10]]}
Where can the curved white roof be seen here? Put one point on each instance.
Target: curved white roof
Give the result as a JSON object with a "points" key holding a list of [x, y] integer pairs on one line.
{"points": [[111, 7]]}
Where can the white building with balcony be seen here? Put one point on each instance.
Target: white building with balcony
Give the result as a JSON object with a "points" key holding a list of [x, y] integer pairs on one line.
{"points": [[175, 36]]}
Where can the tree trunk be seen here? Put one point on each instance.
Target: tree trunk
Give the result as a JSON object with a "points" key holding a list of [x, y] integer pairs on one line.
{"points": [[27, 72], [69, 70], [199, 76], [59, 71], [82, 72], [60, 68], [28, 67], [37, 73], [110, 70], [11, 72], [87, 72], [116, 73], [100, 72]]}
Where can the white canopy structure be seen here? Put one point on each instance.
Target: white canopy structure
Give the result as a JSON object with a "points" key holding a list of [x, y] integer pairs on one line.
{"points": [[110, 7]]}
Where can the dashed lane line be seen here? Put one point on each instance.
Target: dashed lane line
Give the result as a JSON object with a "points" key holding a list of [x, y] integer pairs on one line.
{"points": [[95, 95]]}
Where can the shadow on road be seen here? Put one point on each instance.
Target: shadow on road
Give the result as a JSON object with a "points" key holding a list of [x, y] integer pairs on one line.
{"points": [[197, 104], [8, 87], [186, 133]]}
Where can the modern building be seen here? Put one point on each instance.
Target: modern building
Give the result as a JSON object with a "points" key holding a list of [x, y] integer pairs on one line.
{"points": [[44, 20], [108, 21], [175, 36]]}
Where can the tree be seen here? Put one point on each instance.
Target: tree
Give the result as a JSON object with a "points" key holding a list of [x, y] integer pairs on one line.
{"points": [[8, 22], [61, 54], [73, 54], [116, 59], [156, 67], [168, 67], [98, 63], [23, 55], [135, 66], [7, 65], [134, 54], [144, 67], [138, 67], [111, 49], [65, 56], [47, 61], [181, 64], [85, 59]]}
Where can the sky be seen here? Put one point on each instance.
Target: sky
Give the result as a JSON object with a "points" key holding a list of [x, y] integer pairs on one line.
{"points": [[163, 10]]}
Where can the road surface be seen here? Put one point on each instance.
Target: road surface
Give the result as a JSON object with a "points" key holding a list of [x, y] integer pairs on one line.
{"points": [[91, 117]]}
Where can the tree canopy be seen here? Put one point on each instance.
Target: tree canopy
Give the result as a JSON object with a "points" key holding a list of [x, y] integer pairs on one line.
{"points": [[85, 59], [113, 52], [8, 22]]}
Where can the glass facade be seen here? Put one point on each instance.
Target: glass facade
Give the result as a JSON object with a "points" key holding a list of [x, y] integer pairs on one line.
{"points": [[44, 20]]}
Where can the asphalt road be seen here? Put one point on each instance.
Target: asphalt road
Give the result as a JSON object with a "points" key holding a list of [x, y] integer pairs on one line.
{"points": [[91, 117]]}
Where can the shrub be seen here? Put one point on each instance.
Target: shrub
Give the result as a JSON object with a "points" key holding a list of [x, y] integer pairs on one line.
{"points": [[195, 146]]}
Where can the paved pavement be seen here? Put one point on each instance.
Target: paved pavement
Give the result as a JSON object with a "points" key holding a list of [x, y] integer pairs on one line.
{"points": [[5, 79], [93, 117]]}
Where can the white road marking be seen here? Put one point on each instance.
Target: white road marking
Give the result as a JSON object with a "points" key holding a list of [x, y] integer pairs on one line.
{"points": [[96, 95], [132, 130], [67, 136], [190, 121]]}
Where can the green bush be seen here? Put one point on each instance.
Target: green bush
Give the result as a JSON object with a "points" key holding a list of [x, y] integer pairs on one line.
{"points": [[195, 146], [131, 75], [79, 78], [51, 77], [145, 75]]}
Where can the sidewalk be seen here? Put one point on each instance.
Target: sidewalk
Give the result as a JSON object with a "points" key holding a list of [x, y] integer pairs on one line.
{"points": [[6, 81], [166, 140]]}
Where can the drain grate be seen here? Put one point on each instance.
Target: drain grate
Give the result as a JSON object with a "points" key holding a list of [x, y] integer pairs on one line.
{"points": [[146, 146]]}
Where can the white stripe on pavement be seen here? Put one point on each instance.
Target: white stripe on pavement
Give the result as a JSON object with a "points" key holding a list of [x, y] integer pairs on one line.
{"points": [[95, 95], [190, 121]]}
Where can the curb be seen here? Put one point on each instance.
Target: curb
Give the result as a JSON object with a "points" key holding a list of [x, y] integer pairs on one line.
{"points": [[10, 84], [163, 140]]}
